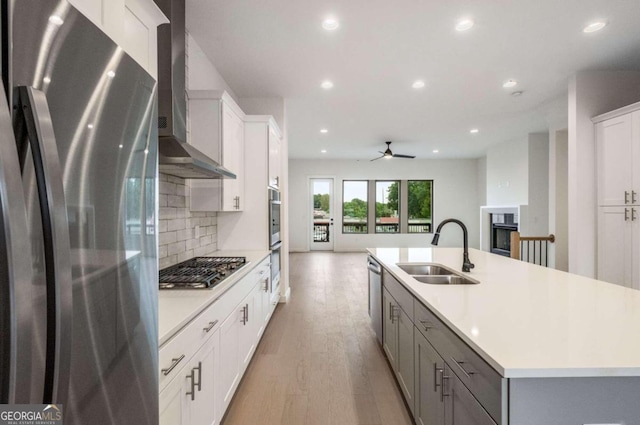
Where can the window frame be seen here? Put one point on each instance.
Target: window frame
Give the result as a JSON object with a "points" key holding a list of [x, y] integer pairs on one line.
{"points": [[375, 211], [367, 224], [430, 201]]}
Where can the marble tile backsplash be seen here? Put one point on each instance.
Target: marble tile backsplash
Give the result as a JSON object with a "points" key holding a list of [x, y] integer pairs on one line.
{"points": [[177, 225]]}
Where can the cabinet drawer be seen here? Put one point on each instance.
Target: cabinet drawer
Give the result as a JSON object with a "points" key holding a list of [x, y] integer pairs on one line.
{"points": [[481, 379], [399, 293]]}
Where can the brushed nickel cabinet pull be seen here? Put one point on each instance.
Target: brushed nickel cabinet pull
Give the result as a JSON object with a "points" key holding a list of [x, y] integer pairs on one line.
{"points": [[192, 376], [442, 379], [211, 325], [626, 214], [426, 325], [626, 197], [436, 371], [199, 384], [174, 363], [460, 365], [633, 196]]}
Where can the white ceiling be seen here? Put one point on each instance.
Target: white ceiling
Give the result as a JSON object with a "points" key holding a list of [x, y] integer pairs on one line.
{"points": [[278, 48]]}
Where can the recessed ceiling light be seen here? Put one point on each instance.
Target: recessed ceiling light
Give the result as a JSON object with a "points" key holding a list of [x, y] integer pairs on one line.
{"points": [[46, 80], [323, 151], [330, 24], [509, 83], [418, 84], [324, 131], [436, 151], [464, 25], [111, 74], [145, 151], [326, 85], [56, 20], [474, 131], [120, 146], [594, 26], [90, 126]]}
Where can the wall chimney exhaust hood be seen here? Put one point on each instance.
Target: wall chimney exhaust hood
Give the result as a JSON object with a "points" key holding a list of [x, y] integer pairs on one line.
{"points": [[176, 157]]}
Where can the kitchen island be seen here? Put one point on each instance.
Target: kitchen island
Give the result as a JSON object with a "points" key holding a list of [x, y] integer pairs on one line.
{"points": [[531, 344]]}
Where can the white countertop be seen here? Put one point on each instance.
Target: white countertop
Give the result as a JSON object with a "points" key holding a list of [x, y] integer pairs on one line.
{"points": [[527, 320], [177, 307]]}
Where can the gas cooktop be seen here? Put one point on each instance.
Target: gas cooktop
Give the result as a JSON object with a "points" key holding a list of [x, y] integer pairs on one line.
{"points": [[200, 272]]}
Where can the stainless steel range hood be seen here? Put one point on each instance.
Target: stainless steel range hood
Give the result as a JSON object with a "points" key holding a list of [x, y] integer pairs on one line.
{"points": [[176, 157]]}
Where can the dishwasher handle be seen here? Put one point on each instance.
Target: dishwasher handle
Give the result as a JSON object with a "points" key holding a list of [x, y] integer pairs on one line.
{"points": [[373, 266]]}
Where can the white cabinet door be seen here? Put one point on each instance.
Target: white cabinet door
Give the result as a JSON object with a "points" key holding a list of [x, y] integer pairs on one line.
{"points": [[615, 156], [230, 360], [615, 258], [248, 332], [390, 328], [217, 129], [174, 402], [275, 161], [232, 159], [405, 369], [205, 365]]}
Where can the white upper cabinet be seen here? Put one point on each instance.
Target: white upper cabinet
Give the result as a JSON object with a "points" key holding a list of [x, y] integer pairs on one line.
{"points": [[132, 24], [217, 129], [275, 160], [618, 157]]}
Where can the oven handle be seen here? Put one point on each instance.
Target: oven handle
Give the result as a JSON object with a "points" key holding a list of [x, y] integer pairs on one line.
{"points": [[276, 245]]}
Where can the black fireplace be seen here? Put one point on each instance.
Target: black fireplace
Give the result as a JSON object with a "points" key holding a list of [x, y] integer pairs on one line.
{"points": [[501, 227]]}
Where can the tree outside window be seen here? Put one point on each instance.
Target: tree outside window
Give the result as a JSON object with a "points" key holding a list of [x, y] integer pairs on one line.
{"points": [[355, 206], [387, 206], [420, 200]]}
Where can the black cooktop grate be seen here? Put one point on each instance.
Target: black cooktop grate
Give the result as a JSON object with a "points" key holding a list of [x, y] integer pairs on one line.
{"points": [[199, 272]]}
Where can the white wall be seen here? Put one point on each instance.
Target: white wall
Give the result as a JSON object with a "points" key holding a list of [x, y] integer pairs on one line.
{"points": [[455, 196], [508, 173], [558, 199], [538, 202], [482, 180], [591, 93], [274, 106], [201, 73]]}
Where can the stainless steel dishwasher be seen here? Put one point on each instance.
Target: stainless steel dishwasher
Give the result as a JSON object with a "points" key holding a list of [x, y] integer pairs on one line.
{"points": [[375, 296]]}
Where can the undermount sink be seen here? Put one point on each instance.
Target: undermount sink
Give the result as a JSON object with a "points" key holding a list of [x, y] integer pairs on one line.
{"points": [[435, 274], [446, 280], [424, 269]]}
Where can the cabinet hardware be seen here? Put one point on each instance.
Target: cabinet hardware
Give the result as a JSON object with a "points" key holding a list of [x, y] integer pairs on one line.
{"points": [[626, 197], [247, 310], [392, 312], [192, 376], [266, 285], [436, 371], [633, 196], [426, 325], [199, 384], [633, 214], [626, 214], [211, 325], [442, 379], [460, 365], [244, 315], [174, 363]]}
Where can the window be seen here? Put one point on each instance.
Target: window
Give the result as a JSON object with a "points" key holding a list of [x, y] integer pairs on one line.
{"points": [[355, 206], [420, 200], [387, 206]]}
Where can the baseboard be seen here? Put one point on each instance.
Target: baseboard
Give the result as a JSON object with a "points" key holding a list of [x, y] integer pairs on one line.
{"points": [[286, 297]]}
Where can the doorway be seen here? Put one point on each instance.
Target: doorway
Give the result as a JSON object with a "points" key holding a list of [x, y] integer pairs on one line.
{"points": [[322, 235]]}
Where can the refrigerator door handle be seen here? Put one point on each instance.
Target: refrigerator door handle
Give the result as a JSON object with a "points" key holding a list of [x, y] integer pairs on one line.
{"points": [[15, 272], [39, 126]]}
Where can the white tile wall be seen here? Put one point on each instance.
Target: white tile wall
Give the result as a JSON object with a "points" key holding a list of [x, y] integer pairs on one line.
{"points": [[177, 225]]}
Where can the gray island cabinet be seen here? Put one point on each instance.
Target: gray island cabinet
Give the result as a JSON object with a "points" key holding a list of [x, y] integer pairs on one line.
{"points": [[447, 376]]}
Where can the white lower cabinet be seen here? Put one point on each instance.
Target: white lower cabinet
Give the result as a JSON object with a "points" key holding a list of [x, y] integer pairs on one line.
{"points": [[618, 243], [202, 365], [189, 398], [230, 334]]}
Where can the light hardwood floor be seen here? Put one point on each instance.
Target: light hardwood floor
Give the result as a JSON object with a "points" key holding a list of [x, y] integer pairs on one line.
{"points": [[319, 361]]}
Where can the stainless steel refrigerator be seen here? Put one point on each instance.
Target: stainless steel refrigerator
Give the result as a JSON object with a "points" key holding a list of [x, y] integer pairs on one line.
{"points": [[78, 237]]}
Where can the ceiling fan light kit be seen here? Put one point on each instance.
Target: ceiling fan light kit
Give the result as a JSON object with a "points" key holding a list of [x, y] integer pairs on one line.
{"points": [[388, 154]]}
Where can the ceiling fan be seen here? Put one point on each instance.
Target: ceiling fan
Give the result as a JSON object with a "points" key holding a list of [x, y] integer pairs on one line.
{"points": [[388, 154]]}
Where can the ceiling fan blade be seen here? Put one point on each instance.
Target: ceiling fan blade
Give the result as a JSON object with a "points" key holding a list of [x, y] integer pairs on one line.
{"points": [[397, 155], [381, 152], [375, 159]]}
